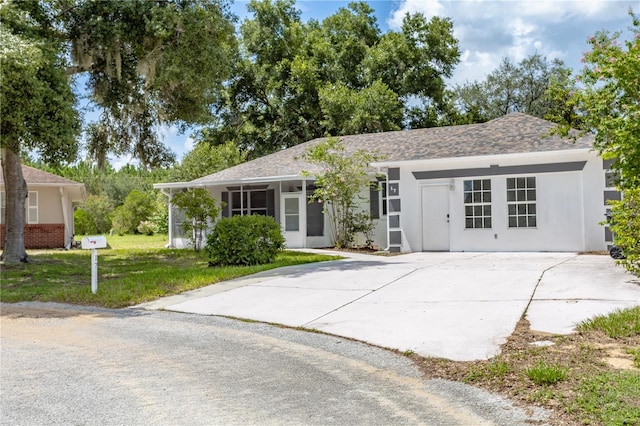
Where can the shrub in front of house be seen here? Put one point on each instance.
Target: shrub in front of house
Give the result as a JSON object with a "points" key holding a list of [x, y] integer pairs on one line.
{"points": [[244, 240]]}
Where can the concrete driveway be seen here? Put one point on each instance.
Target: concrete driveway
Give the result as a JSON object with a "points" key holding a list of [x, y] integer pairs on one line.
{"points": [[460, 306]]}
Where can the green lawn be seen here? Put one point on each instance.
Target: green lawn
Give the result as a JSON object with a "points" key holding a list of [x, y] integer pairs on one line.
{"points": [[133, 270]]}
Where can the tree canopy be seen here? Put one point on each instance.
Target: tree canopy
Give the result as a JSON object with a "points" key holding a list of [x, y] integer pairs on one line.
{"points": [[147, 63], [520, 87], [295, 81], [604, 99]]}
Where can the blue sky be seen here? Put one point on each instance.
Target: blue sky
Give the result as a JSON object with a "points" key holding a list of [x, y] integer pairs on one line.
{"points": [[487, 31]]}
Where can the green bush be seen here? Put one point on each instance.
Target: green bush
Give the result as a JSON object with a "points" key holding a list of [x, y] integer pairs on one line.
{"points": [[137, 207], [147, 227], [625, 224], [83, 223], [99, 208], [245, 240]]}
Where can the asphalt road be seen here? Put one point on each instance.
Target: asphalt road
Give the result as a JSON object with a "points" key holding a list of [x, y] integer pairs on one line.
{"points": [[65, 365]]}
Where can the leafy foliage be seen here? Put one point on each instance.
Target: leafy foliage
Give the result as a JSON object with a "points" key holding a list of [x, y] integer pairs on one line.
{"points": [[199, 208], [296, 81], [83, 223], [245, 240], [36, 106], [511, 87], [625, 224], [339, 186], [99, 208], [608, 106], [137, 207], [205, 159]]}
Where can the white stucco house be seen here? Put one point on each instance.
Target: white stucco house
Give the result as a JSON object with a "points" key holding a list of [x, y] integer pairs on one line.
{"points": [[503, 185]]}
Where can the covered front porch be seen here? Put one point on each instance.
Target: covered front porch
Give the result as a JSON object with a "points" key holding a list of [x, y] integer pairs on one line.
{"points": [[286, 199]]}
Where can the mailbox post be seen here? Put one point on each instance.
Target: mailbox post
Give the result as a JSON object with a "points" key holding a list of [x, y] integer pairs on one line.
{"points": [[93, 243]]}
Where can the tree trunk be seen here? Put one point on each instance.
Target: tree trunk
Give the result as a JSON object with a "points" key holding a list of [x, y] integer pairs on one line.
{"points": [[16, 193]]}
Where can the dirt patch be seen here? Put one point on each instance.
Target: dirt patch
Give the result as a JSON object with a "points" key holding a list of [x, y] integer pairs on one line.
{"points": [[581, 354]]}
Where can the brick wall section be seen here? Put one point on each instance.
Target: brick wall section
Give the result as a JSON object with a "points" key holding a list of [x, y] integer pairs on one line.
{"points": [[49, 235]]}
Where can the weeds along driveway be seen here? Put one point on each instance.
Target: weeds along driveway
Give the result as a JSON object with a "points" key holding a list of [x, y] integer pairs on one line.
{"points": [[459, 306]]}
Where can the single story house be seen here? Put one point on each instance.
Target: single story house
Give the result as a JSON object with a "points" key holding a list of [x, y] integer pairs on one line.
{"points": [[503, 185], [48, 209]]}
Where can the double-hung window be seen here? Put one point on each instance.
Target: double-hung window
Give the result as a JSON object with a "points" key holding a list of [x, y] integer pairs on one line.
{"points": [[30, 207], [521, 202], [477, 203]]}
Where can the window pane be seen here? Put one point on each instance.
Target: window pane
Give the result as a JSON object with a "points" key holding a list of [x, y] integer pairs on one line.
{"points": [[477, 185], [511, 183], [511, 195], [487, 210], [522, 209], [291, 206], [468, 223], [477, 223], [258, 199], [467, 185], [521, 194], [487, 222], [532, 221], [520, 182], [513, 222], [532, 209], [531, 182], [486, 197], [468, 211], [522, 221], [531, 195], [292, 223], [33, 199], [486, 184], [468, 198], [477, 197], [477, 211], [512, 209]]}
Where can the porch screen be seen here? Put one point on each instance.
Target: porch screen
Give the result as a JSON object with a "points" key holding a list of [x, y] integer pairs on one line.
{"points": [[249, 202]]}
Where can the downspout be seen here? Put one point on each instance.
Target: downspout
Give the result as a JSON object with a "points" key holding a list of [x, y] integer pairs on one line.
{"points": [[68, 233], [170, 217]]}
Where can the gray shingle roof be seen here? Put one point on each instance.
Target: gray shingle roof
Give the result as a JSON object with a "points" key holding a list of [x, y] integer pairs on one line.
{"points": [[511, 134], [34, 177]]}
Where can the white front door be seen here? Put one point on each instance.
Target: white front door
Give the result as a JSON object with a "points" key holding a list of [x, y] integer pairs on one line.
{"points": [[293, 219], [435, 218]]}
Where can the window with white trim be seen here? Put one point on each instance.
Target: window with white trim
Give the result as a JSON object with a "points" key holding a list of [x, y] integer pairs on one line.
{"points": [[477, 204], [31, 207], [521, 202]]}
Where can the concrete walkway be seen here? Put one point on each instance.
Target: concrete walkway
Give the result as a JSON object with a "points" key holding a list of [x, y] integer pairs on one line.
{"points": [[460, 306]]}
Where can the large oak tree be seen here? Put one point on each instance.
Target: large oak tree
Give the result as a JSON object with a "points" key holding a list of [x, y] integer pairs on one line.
{"points": [[146, 62]]}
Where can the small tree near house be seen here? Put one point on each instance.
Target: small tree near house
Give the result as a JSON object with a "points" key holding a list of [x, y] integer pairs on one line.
{"points": [[339, 186], [199, 208]]}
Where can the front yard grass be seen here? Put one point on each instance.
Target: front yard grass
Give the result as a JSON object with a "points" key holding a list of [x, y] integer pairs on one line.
{"points": [[135, 269]]}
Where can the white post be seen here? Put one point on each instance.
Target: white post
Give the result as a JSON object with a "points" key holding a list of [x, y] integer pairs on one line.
{"points": [[94, 271]]}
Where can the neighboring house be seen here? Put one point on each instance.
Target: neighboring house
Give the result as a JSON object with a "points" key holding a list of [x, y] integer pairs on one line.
{"points": [[48, 209], [504, 185]]}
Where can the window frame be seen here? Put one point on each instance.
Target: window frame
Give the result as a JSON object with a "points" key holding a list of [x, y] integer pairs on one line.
{"points": [[29, 208], [478, 211], [522, 210]]}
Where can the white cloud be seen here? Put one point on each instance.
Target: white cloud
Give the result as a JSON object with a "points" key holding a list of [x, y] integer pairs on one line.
{"points": [[188, 143], [427, 7], [488, 30]]}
